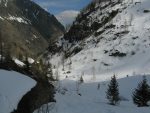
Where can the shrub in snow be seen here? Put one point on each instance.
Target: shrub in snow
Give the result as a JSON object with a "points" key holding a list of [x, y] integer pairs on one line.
{"points": [[117, 53], [146, 11], [62, 90], [141, 95]]}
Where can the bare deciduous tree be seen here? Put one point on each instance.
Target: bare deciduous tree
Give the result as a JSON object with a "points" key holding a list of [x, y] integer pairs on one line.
{"points": [[130, 19], [63, 61], [1, 47], [57, 73], [93, 73]]}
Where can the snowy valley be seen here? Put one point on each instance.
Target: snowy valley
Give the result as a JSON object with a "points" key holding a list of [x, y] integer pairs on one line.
{"points": [[107, 38]]}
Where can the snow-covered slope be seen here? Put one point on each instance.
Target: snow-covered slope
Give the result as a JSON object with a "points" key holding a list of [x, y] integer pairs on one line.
{"points": [[120, 46], [13, 86]]}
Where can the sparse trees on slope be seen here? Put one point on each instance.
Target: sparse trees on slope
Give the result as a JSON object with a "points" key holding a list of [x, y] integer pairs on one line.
{"points": [[112, 93], [141, 95]]}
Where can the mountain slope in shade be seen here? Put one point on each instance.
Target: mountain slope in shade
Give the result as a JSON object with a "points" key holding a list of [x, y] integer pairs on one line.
{"points": [[26, 27]]}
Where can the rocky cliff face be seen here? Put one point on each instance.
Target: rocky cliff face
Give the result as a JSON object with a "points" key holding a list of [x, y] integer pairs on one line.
{"points": [[26, 28], [92, 18]]}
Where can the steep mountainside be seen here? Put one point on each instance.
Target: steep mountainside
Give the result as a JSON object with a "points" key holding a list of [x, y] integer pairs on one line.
{"points": [[26, 28], [108, 37]]}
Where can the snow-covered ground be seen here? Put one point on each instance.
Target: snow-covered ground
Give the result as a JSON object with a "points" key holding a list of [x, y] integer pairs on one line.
{"points": [[18, 62], [13, 86], [93, 100], [13, 18]]}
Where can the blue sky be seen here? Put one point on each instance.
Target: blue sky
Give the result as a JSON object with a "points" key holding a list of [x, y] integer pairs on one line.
{"points": [[64, 10], [58, 6]]}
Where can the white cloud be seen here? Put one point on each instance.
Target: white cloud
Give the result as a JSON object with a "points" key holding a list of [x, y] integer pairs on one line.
{"points": [[67, 17], [50, 4]]}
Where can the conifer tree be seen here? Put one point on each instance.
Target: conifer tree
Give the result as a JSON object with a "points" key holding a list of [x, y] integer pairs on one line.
{"points": [[49, 71], [112, 93], [27, 64], [81, 79], [141, 95], [8, 58]]}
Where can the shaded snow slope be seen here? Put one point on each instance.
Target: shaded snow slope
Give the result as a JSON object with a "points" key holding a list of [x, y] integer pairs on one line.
{"points": [[13, 86]]}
